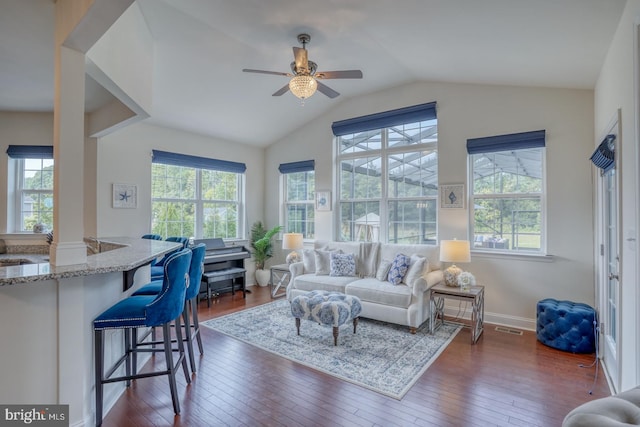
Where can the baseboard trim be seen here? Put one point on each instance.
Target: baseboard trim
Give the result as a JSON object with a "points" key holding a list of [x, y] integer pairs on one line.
{"points": [[493, 318]]}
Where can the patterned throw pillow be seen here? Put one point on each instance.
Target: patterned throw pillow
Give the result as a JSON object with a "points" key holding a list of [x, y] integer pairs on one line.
{"points": [[342, 264], [383, 270], [398, 269]]}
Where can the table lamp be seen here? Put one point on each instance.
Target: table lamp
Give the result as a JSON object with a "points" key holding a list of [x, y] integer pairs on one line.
{"points": [[454, 251], [292, 241]]}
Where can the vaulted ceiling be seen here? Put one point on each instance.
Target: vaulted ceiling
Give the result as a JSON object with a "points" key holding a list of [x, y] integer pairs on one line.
{"points": [[201, 46]]}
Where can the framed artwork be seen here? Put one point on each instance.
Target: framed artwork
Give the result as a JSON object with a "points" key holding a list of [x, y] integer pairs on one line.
{"points": [[452, 196], [125, 196], [323, 200]]}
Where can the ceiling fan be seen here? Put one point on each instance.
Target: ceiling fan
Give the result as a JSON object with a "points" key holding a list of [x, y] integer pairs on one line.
{"points": [[304, 75]]}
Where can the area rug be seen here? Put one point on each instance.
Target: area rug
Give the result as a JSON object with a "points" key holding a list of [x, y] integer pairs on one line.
{"points": [[381, 356]]}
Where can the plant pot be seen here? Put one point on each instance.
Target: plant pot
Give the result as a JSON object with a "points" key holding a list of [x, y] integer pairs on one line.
{"points": [[262, 277]]}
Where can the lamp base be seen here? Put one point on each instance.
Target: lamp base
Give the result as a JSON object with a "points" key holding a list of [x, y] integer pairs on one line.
{"points": [[292, 257], [451, 275]]}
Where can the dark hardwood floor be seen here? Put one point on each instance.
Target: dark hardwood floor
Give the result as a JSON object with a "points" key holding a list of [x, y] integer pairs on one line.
{"points": [[503, 380]]}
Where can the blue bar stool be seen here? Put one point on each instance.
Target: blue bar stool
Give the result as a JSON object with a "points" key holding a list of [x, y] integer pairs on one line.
{"points": [[152, 236], [190, 314], [142, 312]]}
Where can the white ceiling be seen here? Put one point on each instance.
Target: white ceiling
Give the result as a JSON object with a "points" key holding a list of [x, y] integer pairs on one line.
{"points": [[202, 46]]}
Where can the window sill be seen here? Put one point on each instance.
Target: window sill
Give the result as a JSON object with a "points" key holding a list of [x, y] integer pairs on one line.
{"points": [[537, 257]]}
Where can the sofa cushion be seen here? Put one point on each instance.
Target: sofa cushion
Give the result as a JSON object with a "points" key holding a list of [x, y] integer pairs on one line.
{"points": [[383, 270], [366, 254], [380, 292], [417, 268], [342, 264], [312, 282], [308, 261], [399, 268], [323, 262]]}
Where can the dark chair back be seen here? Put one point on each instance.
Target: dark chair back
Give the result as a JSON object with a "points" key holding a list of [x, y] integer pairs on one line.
{"points": [[169, 303], [195, 271], [152, 236]]}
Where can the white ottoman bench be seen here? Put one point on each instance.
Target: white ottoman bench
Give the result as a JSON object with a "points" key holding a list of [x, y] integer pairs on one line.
{"points": [[327, 308]]}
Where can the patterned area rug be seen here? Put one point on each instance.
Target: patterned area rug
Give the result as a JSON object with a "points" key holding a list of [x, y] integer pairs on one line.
{"points": [[381, 356]]}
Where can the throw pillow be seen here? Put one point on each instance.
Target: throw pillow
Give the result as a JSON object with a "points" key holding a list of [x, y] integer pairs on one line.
{"points": [[398, 269], [323, 262], [308, 261], [342, 264], [383, 270], [416, 268]]}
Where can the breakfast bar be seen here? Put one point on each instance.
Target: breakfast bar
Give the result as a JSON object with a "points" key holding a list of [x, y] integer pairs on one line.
{"points": [[45, 320]]}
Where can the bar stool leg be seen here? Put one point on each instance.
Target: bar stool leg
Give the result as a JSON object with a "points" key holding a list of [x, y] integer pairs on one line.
{"points": [[99, 364], [183, 358], [196, 323], [168, 354], [187, 333]]}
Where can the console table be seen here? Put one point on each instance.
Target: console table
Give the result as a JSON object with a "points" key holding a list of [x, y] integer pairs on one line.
{"points": [[474, 295]]}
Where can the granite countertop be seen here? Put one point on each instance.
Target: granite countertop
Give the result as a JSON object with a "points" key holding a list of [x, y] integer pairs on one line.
{"points": [[130, 253]]}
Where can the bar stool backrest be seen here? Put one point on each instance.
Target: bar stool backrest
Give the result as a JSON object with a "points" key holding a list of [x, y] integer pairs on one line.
{"points": [[152, 236], [195, 270], [169, 303]]}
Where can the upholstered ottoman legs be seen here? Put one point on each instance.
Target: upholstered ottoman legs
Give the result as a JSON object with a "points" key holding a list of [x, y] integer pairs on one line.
{"points": [[327, 308]]}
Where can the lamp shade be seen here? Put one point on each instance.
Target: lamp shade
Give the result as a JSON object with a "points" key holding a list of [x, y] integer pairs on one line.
{"points": [[292, 241], [455, 251]]}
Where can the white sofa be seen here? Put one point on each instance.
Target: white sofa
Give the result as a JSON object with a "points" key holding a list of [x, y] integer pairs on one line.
{"points": [[404, 304]]}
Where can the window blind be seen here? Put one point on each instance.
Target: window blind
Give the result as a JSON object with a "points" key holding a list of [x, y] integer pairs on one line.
{"points": [[302, 166], [415, 113], [186, 160], [513, 141], [604, 156], [30, 151]]}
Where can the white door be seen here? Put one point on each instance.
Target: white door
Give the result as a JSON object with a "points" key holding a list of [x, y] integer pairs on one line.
{"points": [[609, 310]]}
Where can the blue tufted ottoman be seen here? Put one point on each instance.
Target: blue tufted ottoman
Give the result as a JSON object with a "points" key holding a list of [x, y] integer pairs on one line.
{"points": [[566, 325], [326, 308]]}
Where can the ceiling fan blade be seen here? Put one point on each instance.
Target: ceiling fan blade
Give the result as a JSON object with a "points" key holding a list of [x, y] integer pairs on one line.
{"points": [[327, 90], [344, 74], [302, 60], [282, 90], [277, 73]]}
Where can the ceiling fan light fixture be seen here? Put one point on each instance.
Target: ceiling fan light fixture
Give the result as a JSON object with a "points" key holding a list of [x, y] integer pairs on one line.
{"points": [[303, 86]]}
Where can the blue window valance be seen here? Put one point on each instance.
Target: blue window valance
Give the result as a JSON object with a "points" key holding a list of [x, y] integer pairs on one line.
{"points": [[30, 151], [303, 166], [186, 160], [513, 141], [415, 113], [604, 156]]}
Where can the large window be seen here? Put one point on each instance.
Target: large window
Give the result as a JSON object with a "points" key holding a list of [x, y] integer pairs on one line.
{"points": [[388, 176], [299, 193], [507, 193], [33, 186], [196, 197]]}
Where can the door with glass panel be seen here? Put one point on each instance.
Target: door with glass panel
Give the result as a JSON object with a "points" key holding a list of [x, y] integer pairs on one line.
{"points": [[609, 310]]}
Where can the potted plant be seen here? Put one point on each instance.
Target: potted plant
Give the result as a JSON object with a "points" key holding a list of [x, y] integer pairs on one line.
{"points": [[262, 249]]}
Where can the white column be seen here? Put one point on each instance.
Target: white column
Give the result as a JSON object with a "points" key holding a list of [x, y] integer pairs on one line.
{"points": [[68, 151]]}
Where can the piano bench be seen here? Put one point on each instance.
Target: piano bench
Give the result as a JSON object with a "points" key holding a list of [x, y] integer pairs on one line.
{"points": [[225, 274]]}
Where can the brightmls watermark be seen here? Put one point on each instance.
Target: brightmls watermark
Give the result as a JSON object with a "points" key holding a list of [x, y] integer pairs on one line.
{"points": [[36, 415]]}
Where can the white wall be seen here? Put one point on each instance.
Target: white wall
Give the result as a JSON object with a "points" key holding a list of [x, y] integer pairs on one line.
{"points": [[513, 284], [615, 90]]}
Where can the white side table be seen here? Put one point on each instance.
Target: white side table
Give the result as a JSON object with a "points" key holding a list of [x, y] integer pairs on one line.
{"points": [[280, 276]]}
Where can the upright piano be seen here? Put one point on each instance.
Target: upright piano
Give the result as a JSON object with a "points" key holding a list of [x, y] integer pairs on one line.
{"points": [[223, 268]]}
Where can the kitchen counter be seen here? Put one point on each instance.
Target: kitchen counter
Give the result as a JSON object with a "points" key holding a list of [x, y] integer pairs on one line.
{"points": [[130, 254]]}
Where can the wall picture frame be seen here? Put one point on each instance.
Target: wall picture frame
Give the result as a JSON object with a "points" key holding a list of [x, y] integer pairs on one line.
{"points": [[452, 196], [323, 200], [125, 196]]}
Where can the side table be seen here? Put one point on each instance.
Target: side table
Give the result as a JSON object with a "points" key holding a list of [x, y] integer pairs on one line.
{"points": [[474, 295], [279, 280]]}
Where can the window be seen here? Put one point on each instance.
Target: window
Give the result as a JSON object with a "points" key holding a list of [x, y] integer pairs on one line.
{"points": [[388, 176], [299, 194], [507, 195], [33, 186], [196, 197]]}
